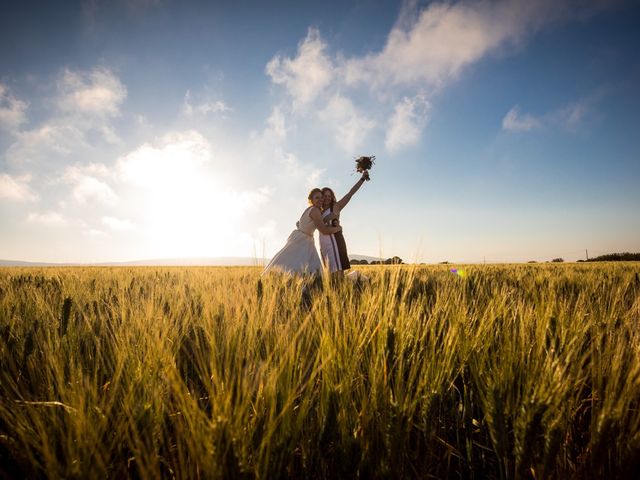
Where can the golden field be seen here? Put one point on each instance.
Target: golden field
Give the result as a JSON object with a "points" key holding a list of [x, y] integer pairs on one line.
{"points": [[514, 371]]}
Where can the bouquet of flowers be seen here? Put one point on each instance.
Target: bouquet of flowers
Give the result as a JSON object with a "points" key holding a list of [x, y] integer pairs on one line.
{"points": [[364, 164]]}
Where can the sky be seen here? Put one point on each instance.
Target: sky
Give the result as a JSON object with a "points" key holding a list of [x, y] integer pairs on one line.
{"points": [[504, 131]]}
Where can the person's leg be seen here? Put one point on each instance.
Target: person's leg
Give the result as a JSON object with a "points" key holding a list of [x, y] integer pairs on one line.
{"points": [[341, 249]]}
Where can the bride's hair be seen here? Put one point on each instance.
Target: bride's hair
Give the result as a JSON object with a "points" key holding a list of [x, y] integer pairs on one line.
{"points": [[312, 193], [333, 195]]}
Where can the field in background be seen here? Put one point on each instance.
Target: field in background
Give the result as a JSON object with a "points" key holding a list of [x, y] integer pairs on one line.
{"points": [[512, 371]]}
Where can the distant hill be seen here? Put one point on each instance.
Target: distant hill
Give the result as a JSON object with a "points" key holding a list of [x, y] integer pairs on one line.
{"points": [[192, 262], [167, 262], [18, 263], [161, 262], [368, 258]]}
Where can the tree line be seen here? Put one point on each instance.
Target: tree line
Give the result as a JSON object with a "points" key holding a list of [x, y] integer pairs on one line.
{"points": [[395, 260], [615, 257], [610, 257]]}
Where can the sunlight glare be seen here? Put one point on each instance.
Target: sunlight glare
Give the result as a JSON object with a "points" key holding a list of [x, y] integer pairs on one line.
{"points": [[188, 210]]}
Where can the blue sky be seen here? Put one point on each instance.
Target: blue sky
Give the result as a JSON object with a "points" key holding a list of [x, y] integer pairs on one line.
{"points": [[505, 130]]}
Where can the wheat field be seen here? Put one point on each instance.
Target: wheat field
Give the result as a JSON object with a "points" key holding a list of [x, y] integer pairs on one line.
{"points": [[513, 371]]}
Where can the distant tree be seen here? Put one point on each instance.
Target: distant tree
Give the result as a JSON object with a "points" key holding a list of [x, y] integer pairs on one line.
{"points": [[616, 257], [389, 261], [444, 263], [355, 261], [557, 260], [532, 261], [393, 261]]}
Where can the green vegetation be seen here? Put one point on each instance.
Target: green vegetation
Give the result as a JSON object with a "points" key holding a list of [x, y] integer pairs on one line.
{"points": [[395, 260], [512, 372], [616, 257]]}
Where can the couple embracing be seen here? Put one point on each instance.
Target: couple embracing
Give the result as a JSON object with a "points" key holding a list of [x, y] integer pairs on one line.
{"points": [[299, 255]]}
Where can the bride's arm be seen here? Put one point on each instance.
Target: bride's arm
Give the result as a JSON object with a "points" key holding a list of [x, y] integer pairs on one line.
{"points": [[316, 216], [344, 200]]}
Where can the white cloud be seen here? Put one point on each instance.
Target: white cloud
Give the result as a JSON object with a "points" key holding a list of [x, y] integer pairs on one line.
{"points": [[514, 121], [94, 232], [87, 184], [12, 110], [91, 189], [204, 107], [51, 219], [295, 169], [16, 188], [571, 116], [568, 117], [39, 145], [430, 47], [87, 102], [313, 177], [427, 48], [75, 172], [109, 135], [406, 124], [425, 51], [350, 128], [267, 229], [306, 75], [120, 224], [276, 127], [269, 147], [97, 92], [178, 156], [250, 201]]}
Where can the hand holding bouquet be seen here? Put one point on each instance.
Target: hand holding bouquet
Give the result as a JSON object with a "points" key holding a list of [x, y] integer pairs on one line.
{"points": [[364, 164]]}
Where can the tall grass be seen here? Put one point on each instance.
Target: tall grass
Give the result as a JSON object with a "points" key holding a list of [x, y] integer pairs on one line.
{"points": [[512, 372]]}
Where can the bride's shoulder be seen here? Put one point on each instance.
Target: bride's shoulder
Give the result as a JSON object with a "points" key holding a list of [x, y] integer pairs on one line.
{"points": [[313, 210]]}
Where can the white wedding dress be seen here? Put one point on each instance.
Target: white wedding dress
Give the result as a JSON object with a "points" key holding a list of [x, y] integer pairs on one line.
{"points": [[299, 255]]}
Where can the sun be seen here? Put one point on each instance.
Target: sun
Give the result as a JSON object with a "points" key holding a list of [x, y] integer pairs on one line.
{"points": [[186, 206]]}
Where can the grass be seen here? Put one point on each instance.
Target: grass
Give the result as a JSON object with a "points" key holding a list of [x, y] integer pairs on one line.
{"points": [[516, 371]]}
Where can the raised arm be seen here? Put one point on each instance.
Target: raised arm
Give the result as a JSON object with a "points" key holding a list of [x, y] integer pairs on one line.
{"points": [[316, 216], [344, 200]]}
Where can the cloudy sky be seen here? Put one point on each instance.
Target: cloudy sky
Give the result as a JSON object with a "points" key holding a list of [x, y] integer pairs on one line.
{"points": [[136, 129]]}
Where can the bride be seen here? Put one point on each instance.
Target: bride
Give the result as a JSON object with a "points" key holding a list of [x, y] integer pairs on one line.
{"points": [[299, 255]]}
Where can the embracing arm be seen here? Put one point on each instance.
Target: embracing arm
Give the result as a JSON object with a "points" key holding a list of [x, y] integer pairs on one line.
{"points": [[316, 216], [344, 200]]}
